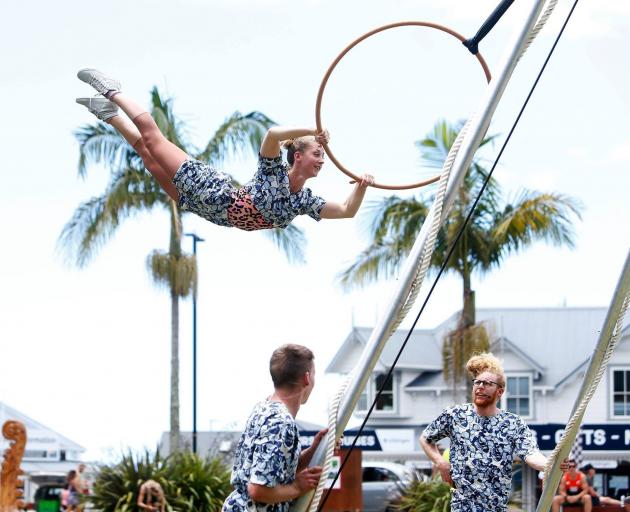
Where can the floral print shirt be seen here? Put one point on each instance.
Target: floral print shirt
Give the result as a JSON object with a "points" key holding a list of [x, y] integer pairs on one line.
{"points": [[270, 193], [267, 454], [482, 451]]}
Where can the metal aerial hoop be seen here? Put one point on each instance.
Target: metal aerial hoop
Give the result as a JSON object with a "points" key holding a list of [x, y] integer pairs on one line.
{"points": [[322, 88]]}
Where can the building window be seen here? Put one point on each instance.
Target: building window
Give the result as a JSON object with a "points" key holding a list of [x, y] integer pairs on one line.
{"points": [[621, 392], [386, 401], [518, 397]]}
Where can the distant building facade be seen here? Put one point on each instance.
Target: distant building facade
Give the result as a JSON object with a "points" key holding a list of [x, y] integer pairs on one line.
{"points": [[545, 354], [48, 456]]}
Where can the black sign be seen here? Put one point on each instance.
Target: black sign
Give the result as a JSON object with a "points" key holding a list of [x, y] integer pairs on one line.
{"points": [[367, 441], [594, 437]]}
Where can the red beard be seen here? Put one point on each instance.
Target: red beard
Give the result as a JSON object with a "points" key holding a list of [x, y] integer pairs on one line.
{"points": [[484, 399]]}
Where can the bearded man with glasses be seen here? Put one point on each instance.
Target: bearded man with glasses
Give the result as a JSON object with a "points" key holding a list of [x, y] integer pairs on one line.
{"points": [[485, 441]]}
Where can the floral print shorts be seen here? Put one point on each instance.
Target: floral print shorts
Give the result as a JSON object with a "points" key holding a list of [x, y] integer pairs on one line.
{"points": [[205, 191]]}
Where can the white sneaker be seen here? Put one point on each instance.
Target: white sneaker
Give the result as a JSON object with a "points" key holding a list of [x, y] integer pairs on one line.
{"points": [[100, 107], [98, 80]]}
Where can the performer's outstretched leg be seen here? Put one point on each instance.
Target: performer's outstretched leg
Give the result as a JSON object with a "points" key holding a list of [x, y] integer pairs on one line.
{"points": [[107, 111], [168, 156]]}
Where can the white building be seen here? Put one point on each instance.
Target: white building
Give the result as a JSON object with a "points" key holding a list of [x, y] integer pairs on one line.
{"points": [[545, 353], [48, 455]]}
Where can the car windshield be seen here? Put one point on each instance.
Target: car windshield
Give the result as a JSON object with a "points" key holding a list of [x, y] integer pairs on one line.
{"points": [[379, 475]]}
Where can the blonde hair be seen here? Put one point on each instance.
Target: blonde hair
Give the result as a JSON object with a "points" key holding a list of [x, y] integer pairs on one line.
{"points": [[485, 362], [298, 144]]}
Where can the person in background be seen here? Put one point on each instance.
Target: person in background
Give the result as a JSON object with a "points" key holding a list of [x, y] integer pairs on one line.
{"points": [[73, 501], [573, 489], [82, 484], [589, 472], [151, 497]]}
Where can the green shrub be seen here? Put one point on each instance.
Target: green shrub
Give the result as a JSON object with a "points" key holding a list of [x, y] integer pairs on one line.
{"points": [[116, 487], [190, 484], [431, 496], [203, 483]]}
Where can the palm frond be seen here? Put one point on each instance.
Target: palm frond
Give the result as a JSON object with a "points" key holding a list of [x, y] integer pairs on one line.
{"points": [[101, 143], [535, 216], [168, 123], [96, 220], [378, 260], [434, 148], [239, 134], [291, 241]]}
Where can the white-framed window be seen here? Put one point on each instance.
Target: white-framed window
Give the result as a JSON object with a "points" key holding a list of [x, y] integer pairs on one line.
{"points": [[387, 401], [518, 394], [620, 392]]}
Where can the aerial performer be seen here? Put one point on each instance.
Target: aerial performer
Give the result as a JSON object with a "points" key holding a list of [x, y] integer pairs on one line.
{"points": [[271, 199]]}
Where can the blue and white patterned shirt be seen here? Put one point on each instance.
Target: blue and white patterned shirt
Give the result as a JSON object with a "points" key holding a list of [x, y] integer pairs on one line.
{"points": [[482, 451], [272, 197], [267, 454], [263, 202]]}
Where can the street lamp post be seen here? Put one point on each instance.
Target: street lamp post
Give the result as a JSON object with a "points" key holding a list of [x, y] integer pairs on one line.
{"points": [[195, 239]]}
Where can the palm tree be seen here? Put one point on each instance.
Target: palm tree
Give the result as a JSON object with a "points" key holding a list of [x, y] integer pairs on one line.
{"points": [[496, 229], [131, 190]]}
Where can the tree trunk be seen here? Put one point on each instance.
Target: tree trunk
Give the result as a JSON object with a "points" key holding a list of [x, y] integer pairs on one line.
{"points": [[175, 249], [174, 430], [468, 312], [467, 321]]}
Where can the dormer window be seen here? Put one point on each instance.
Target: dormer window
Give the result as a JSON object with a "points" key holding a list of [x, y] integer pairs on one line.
{"points": [[518, 395], [386, 401]]}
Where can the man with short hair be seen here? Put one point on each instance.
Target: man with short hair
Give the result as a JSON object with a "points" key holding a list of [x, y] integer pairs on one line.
{"points": [[270, 469], [484, 443], [589, 472], [573, 489]]}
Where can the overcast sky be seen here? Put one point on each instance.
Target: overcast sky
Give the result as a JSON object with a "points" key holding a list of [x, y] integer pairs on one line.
{"points": [[86, 352]]}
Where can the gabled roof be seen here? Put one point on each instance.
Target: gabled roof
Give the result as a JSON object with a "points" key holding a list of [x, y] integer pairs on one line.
{"points": [[559, 339], [552, 342], [422, 350], [502, 343], [9, 413], [426, 379]]}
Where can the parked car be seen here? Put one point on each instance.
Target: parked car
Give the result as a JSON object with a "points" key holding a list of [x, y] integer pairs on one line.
{"points": [[382, 484]]}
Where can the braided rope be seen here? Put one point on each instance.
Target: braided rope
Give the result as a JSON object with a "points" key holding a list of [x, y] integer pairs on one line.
{"points": [[542, 21], [331, 441], [573, 424], [427, 252]]}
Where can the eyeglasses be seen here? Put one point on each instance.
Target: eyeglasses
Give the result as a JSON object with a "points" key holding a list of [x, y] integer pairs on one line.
{"points": [[572, 466], [477, 383]]}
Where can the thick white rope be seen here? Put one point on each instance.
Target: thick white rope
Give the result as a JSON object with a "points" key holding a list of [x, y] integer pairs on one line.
{"points": [[574, 423], [416, 285], [331, 441], [544, 17]]}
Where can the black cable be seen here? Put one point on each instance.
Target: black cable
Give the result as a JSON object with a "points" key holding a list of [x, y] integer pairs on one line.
{"points": [[450, 253], [473, 43]]}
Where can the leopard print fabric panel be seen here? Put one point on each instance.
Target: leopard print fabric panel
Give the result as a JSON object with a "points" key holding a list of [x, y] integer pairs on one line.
{"points": [[242, 213]]}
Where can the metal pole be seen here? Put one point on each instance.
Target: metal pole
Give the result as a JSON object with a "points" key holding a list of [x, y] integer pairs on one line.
{"points": [[195, 239], [473, 138], [621, 292]]}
